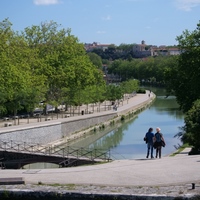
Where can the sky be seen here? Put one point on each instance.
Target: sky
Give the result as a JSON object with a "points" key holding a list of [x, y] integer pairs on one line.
{"points": [[157, 22]]}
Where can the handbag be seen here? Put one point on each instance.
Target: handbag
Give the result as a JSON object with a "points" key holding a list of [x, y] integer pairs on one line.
{"points": [[162, 143], [145, 139]]}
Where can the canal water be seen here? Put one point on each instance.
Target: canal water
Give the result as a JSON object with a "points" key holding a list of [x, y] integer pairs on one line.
{"points": [[125, 141]]}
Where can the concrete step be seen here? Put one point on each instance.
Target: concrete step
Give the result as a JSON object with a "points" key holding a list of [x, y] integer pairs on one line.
{"points": [[12, 181]]}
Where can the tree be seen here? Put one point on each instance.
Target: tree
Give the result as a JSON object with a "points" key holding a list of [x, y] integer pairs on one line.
{"points": [[185, 82], [113, 92], [184, 78], [21, 87], [191, 129], [66, 66], [95, 59]]}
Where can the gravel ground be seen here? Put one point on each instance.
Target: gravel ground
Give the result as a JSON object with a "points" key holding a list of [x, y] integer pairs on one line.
{"points": [[184, 190]]}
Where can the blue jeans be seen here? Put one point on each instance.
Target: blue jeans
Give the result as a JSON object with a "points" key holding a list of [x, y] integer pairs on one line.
{"points": [[150, 149]]}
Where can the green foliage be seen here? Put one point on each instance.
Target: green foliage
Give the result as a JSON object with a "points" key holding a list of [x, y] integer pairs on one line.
{"points": [[113, 92], [150, 71], [112, 123], [141, 91], [95, 59], [129, 86], [44, 63], [122, 117], [191, 129], [20, 85], [183, 76], [183, 80]]}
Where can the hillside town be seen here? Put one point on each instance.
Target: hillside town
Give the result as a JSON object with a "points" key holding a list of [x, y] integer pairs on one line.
{"points": [[139, 50]]}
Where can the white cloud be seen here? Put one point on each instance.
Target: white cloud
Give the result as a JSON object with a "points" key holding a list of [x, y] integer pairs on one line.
{"points": [[46, 2], [107, 18], [101, 32], [187, 5]]}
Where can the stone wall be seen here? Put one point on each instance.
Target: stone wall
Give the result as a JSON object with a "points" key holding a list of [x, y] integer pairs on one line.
{"points": [[48, 132], [77, 125], [36, 135]]}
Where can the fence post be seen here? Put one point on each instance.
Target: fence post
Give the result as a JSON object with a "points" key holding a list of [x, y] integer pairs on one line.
{"points": [[63, 152], [5, 145]]}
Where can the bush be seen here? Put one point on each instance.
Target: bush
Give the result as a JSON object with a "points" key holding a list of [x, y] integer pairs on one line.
{"points": [[122, 118], [141, 91]]}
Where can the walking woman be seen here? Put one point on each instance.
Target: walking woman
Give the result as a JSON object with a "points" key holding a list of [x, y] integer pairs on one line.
{"points": [[159, 142], [149, 140]]}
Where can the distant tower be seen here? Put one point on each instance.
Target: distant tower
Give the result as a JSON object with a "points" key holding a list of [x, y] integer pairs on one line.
{"points": [[143, 42]]}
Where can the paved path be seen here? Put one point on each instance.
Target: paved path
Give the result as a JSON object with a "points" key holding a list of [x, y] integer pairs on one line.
{"points": [[167, 171], [129, 104], [179, 169]]}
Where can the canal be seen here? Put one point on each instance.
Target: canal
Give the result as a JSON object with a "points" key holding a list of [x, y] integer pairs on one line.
{"points": [[126, 141]]}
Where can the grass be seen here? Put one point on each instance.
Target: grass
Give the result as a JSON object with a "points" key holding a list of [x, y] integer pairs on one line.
{"points": [[181, 148]]}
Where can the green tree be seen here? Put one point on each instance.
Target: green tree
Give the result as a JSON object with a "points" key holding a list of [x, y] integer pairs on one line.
{"points": [[113, 92], [191, 129], [21, 87], [96, 60], [129, 86], [66, 65], [185, 83], [184, 78]]}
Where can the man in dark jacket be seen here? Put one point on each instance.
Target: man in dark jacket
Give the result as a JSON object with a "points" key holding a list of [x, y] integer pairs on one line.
{"points": [[149, 139]]}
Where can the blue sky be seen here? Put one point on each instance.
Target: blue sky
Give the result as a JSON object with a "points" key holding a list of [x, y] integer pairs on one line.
{"points": [[157, 22]]}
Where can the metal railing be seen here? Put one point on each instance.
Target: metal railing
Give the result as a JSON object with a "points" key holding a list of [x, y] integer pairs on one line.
{"points": [[52, 150]]}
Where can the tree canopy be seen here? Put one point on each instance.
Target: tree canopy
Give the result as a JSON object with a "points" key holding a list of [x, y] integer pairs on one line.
{"points": [[47, 63], [184, 81], [184, 76], [191, 133], [42, 63]]}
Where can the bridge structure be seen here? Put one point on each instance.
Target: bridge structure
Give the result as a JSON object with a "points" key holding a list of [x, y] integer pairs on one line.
{"points": [[15, 155]]}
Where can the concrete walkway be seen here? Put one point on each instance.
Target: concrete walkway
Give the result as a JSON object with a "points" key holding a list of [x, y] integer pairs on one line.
{"points": [[167, 171], [137, 101], [179, 169]]}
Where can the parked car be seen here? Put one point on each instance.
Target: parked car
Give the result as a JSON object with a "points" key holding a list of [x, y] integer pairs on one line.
{"points": [[37, 112]]}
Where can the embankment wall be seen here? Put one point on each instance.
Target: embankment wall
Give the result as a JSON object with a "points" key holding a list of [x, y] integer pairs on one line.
{"points": [[51, 131], [48, 132]]}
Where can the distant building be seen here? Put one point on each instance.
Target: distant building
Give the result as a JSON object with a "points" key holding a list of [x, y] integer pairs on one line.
{"points": [[165, 51], [142, 50], [139, 50], [95, 45]]}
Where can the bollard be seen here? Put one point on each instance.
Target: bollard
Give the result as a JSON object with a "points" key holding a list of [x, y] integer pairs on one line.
{"points": [[193, 186]]}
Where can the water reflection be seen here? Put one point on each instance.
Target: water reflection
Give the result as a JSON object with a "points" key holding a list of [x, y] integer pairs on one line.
{"points": [[40, 166]]}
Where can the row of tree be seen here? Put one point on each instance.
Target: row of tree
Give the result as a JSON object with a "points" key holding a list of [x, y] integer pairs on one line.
{"points": [[47, 63], [151, 69]]}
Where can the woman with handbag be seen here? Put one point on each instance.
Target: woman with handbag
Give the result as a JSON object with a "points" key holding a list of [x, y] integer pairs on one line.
{"points": [[159, 142]]}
